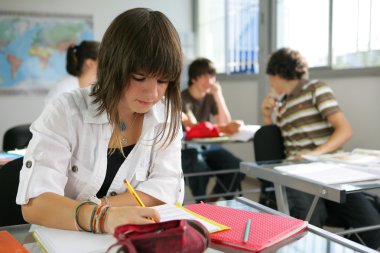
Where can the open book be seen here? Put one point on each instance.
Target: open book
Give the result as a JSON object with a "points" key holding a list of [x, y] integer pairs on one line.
{"points": [[62, 241], [265, 231]]}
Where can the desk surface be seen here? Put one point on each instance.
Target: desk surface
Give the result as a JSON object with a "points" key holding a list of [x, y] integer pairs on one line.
{"points": [[314, 240], [333, 192]]}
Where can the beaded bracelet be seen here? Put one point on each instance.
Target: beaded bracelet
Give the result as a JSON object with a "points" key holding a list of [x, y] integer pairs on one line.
{"points": [[77, 212]]}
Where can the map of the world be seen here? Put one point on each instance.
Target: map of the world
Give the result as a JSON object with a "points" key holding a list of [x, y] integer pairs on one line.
{"points": [[33, 47]]}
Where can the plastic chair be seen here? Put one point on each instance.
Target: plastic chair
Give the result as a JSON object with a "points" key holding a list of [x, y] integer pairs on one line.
{"points": [[268, 146], [17, 137], [9, 179]]}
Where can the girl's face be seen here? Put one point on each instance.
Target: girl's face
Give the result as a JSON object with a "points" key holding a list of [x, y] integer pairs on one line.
{"points": [[142, 93]]}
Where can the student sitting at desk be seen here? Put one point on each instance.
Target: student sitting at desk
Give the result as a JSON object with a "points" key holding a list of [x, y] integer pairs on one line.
{"points": [[200, 100], [311, 122], [125, 127]]}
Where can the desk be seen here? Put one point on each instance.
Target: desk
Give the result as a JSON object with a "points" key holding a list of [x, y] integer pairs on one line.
{"points": [[336, 192], [314, 240]]}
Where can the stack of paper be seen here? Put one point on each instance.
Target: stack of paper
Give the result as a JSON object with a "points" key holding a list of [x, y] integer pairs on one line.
{"points": [[327, 173]]}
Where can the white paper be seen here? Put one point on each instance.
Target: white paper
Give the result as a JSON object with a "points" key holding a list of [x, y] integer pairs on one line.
{"points": [[246, 133], [327, 173], [173, 212]]}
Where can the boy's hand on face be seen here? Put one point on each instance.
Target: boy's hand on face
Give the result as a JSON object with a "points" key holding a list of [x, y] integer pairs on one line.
{"points": [[268, 105], [215, 88]]}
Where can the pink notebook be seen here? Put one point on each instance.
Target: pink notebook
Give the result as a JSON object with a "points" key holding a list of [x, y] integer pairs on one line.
{"points": [[265, 230]]}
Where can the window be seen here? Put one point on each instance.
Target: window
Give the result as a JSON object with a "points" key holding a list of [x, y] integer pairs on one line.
{"points": [[331, 34], [228, 34], [355, 34], [304, 26]]}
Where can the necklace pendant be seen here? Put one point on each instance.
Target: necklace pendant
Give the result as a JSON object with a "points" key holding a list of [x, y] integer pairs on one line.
{"points": [[124, 140], [123, 126]]}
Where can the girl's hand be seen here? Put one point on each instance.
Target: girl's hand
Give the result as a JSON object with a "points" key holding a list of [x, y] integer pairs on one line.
{"points": [[117, 216]]}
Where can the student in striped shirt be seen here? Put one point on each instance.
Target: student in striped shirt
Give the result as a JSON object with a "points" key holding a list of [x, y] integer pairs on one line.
{"points": [[312, 123]]}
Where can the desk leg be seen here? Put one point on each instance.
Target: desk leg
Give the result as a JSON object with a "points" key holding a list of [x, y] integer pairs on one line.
{"points": [[281, 198], [312, 207]]}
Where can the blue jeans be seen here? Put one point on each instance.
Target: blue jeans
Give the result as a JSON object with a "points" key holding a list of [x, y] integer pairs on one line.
{"points": [[356, 212], [221, 159], [213, 159]]}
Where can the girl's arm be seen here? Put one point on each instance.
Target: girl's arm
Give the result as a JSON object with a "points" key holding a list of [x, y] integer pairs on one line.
{"points": [[52, 210]]}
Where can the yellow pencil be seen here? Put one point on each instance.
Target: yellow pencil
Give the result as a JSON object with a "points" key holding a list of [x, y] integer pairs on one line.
{"points": [[133, 192]]}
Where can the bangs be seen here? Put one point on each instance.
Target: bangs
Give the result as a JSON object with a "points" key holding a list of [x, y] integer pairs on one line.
{"points": [[160, 55]]}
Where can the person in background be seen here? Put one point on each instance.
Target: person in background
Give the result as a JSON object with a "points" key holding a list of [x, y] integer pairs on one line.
{"points": [[312, 123], [127, 126], [81, 64], [202, 100]]}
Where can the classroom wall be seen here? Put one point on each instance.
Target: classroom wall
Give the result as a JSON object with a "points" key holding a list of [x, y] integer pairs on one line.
{"points": [[24, 108]]}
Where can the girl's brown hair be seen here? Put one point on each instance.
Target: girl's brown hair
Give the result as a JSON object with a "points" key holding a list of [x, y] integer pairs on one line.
{"points": [[139, 40]]}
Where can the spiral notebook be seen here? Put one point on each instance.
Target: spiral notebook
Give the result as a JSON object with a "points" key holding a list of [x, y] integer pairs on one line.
{"points": [[265, 231]]}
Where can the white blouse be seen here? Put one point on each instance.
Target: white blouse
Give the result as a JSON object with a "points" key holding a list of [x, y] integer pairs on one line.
{"points": [[68, 154]]}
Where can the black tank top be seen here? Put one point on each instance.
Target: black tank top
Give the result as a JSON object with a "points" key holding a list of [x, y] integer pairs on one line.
{"points": [[114, 162]]}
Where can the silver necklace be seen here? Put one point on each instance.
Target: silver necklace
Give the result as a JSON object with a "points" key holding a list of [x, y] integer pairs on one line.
{"points": [[123, 128]]}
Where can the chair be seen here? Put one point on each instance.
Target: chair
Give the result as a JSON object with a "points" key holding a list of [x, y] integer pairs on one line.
{"points": [[9, 179], [268, 145], [17, 137]]}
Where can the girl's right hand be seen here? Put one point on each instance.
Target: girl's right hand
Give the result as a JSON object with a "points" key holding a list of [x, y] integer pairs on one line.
{"points": [[117, 216]]}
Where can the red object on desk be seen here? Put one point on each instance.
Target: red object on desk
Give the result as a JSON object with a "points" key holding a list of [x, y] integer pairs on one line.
{"points": [[202, 130], [265, 231], [9, 244]]}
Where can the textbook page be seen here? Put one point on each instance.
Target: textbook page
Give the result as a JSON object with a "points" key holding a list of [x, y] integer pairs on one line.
{"points": [[327, 173]]}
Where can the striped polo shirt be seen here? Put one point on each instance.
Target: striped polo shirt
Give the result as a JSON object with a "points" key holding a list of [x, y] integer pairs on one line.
{"points": [[302, 116]]}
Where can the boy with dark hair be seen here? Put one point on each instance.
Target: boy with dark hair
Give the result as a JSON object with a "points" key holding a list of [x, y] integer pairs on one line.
{"points": [[201, 100], [312, 123]]}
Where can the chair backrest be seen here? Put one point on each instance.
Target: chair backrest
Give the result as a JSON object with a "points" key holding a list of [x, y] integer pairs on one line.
{"points": [[17, 137], [268, 144], [10, 212]]}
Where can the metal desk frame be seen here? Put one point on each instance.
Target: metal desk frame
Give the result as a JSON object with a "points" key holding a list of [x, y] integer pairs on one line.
{"points": [[281, 180]]}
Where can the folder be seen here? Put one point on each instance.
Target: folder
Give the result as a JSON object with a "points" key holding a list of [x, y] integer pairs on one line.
{"points": [[9, 244], [265, 229]]}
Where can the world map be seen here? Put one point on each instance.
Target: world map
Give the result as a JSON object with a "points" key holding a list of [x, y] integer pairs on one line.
{"points": [[33, 47]]}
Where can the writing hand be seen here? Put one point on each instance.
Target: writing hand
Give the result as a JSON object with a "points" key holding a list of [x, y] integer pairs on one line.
{"points": [[117, 216]]}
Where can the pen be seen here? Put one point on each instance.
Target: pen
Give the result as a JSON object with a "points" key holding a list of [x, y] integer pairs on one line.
{"points": [[247, 228], [133, 192]]}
